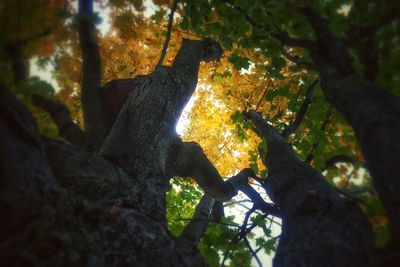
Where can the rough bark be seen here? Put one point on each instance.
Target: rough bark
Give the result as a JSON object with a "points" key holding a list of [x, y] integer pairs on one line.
{"points": [[319, 226], [108, 213], [373, 113]]}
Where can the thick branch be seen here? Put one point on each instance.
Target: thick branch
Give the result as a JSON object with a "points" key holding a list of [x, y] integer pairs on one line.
{"points": [[62, 118], [196, 227], [192, 162], [218, 211], [292, 128], [25, 175], [98, 180], [331, 54], [363, 37], [169, 30], [91, 72], [305, 200]]}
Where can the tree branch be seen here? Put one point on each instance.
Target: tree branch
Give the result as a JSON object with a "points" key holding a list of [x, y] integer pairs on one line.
{"points": [[284, 38], [168, 37], [62, 118], [338, 159], [25, 174], [192, 162], [292, 128], [91, 73], [331, 47], [310, 155], [196, 227], [218, 211], [251, 193]]}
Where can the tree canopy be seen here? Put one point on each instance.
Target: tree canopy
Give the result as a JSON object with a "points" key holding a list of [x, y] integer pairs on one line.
{"points": [[269, 64]]}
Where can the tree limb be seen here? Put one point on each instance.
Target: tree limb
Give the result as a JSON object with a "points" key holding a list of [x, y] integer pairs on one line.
{"points": [[310, 155], [62, 118], [196, 227], [284, 38], [25, 174], [338, 159], [292, 128], [192, 162], [168, 37], [91, 73]]}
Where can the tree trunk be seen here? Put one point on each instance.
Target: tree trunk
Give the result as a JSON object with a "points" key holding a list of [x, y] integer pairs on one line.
{"points": [[374, 114], [320, 227], [99, 212]]}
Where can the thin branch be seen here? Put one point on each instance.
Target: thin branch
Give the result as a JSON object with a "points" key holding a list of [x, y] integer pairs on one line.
{"points": [[310, 155], [296, 59], [284, 38], [292, 128], [263, 95], [240, 182], [338, 159], [239, 202], [246, 241], [169, 30], [246, 220]]}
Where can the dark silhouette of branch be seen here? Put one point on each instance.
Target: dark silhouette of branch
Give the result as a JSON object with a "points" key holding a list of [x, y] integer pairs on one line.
{"points": [[292, 128], [246, 241], [263, 94], [296, 59], [91, 73], [217, 211], [279, 35], [310, 155], [284, 38], [243, 228], [168, 37], [363, 37], [251, 193], [338, 159], [62, 118]]}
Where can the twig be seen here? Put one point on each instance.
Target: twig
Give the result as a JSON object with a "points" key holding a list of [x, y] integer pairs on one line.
{"points": [[300, 115], [263, 95], [211, 221], [169, 30], [242, 232], [246, 241], [310, 155]]}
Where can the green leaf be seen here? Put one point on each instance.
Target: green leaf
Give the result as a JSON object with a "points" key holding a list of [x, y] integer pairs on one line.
{"points": [[239, 62]]}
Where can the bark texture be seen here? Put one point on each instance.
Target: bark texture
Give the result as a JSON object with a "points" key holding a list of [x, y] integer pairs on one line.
{"points": [[320, 227], [373, 113], [104, 209]]}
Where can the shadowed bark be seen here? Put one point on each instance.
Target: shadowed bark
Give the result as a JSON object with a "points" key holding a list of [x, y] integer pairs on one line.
{"points": [[91, 73], [62, 118], [319, 226], [373, 113], [109, 213]]}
